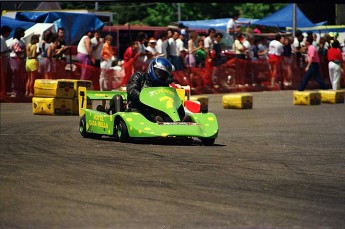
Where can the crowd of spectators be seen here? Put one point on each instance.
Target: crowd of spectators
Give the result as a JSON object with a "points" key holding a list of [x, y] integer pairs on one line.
{"points": [[21, 63]]}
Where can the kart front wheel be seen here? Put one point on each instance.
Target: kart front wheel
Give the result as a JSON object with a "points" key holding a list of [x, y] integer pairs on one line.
{"points": [[207, 141], [122, 131], [82, 127]]}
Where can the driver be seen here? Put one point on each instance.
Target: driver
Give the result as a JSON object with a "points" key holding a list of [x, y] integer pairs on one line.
{"points": [[158, 74]]}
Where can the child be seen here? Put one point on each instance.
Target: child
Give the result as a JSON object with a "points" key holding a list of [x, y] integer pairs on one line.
{"points": [[31, 65], [107, 56]]}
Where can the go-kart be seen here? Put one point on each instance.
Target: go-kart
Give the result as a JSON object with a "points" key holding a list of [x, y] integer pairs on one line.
{"points": [[119, 122]]}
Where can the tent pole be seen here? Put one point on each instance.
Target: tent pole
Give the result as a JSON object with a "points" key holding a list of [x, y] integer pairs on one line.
{"points": [[294, 20]]}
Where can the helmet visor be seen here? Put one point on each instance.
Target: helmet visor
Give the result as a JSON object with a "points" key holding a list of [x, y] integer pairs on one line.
{"points": [[161, 74]]}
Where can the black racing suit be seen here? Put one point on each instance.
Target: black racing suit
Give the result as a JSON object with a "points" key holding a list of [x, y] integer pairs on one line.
{"points": [[135, 83]]}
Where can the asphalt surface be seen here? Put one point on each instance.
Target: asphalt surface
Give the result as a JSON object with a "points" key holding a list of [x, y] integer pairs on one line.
{"points": [[277, 165]]}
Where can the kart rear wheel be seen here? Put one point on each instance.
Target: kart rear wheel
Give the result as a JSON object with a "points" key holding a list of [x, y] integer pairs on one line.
{"points": [[122, 131], [207, 141]]}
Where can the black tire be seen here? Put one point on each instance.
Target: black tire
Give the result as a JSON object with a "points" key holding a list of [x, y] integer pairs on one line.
{"points": [[82, 127], [122, 131], [207, 141]]}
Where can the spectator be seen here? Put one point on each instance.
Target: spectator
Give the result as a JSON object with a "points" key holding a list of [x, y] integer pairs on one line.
{"points": [[45, 63], [107, 55], [97, 45], [275, 52], [335, 64], [257, 52], [31, 65], [52, 53], [232, 25], [200, 54], [287, 61], [312, 67], [60, 59], [140, 62], [5, 32], [17, 62], [151, 51], [162, 44], [322, 47], [182, 51], [297, 48], [85, 56], [239, 49], [315, 40], [208, 44], [129, 57], [175, 52], [217, 60], [190, 58]]}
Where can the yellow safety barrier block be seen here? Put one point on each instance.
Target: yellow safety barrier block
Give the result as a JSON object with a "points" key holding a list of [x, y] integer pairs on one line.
{"points": [[54, 88], [306, 98], [52, 106], [80, 83], [332, 96], [237, 101]]}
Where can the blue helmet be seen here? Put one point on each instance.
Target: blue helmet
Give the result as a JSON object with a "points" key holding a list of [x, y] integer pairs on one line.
{"points": [[160, 70]]}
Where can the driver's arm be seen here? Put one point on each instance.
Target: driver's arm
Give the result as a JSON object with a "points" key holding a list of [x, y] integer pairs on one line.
{"points": [[134, 86]]}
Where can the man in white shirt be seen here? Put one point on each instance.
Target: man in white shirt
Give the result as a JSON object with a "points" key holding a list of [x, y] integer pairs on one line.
{"points": [[162, 44], [97, 45], [175, 53], [232, 25]]}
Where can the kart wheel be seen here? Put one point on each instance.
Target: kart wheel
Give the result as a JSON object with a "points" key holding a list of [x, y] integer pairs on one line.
{"points": [[122, 131], [207, 141], [82, 127]]}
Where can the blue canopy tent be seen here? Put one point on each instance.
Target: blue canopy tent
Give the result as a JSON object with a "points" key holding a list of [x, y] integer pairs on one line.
{"points": [[284, 18], [218, 24], [13, 24], [75, 24]]}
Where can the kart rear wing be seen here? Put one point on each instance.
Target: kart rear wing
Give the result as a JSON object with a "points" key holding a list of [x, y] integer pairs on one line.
{"points": [[85, 97]]}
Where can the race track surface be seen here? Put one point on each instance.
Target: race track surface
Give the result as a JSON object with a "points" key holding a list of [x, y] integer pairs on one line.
{"points": [[277, 165]]}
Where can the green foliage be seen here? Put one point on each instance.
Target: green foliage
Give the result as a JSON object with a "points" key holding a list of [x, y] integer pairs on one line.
{"points": [[162, 14]]}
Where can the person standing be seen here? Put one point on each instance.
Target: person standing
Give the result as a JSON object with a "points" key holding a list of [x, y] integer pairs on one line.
{"points": [[232, 26], [313, 66], [217, 60], [130, 57], [60, 59], [190, 58], [107, 54], [5, 32], [45, 63], [175, 53], [151, 51], [140, 61], [97, 44], [208, 44], [31, 65], [200, 54], [17, 62], [85, 56], [275, 51], [335, 64], [162, 44]]}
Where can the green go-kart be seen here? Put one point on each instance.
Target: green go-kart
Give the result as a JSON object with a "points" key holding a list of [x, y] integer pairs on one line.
{"points": [[117, 121]]}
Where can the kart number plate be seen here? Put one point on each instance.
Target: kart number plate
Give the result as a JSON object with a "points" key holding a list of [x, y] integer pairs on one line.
{"points": [[179, 123]]}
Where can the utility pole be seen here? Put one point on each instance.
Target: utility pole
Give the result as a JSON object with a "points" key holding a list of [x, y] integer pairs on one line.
{"points": [[179, 11], [294, 20]]}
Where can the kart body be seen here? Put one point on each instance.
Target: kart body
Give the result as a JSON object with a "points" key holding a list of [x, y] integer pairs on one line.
{"points": [[127, 125]]}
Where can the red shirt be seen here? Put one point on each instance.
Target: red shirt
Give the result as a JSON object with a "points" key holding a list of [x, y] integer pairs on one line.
{"points": [[334, 54]]}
